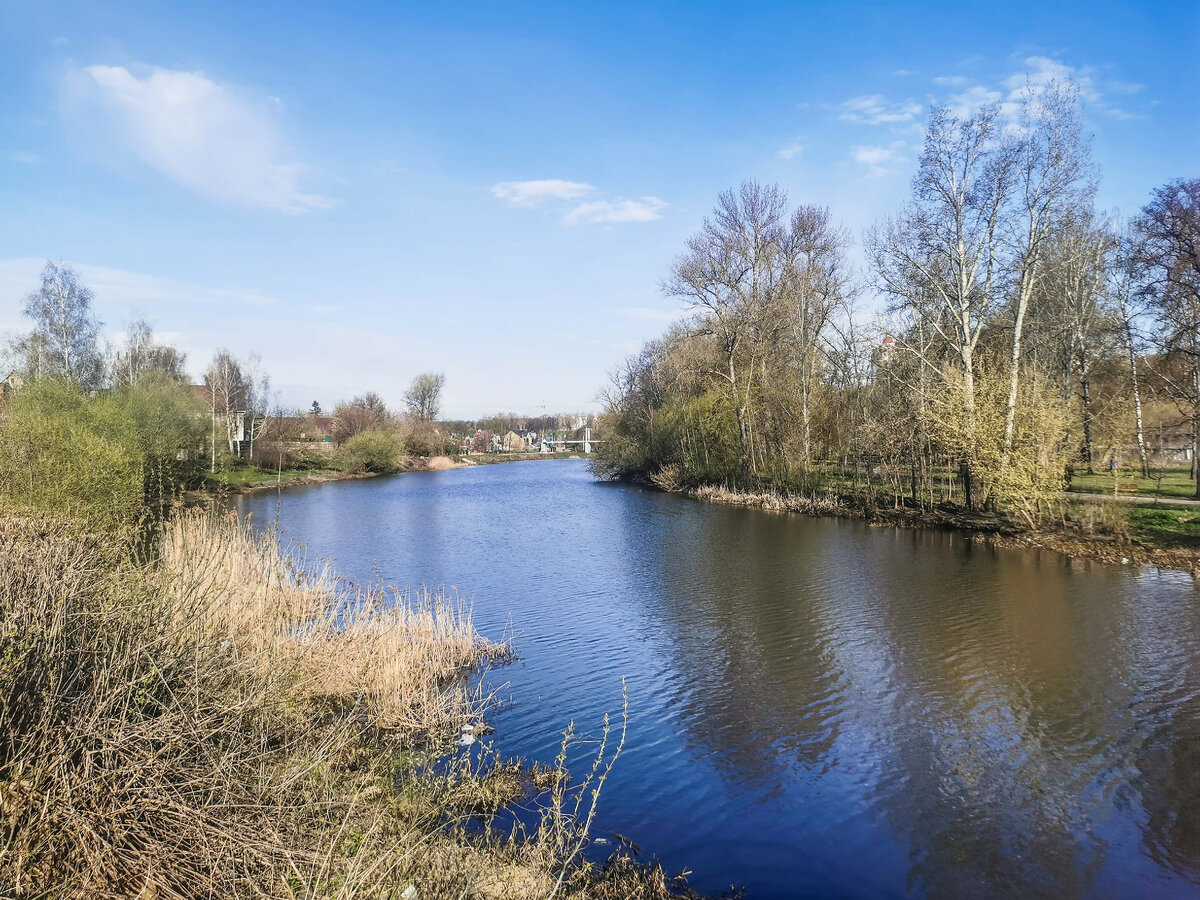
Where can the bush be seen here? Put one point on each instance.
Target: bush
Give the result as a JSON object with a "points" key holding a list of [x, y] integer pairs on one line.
{"points": [[60, 451], [426, 439], [100, 457], [374, 451]]}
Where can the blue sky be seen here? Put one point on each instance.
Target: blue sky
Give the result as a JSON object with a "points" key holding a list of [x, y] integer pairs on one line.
{"points": [[361, 192]]}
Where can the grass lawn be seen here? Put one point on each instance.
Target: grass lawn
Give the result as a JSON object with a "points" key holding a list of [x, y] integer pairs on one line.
{"points": [[255, 475], [1175, 482], [1173, 527]]}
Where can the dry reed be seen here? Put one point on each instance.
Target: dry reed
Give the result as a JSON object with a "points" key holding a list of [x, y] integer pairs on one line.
{"points": [[226, 720]]}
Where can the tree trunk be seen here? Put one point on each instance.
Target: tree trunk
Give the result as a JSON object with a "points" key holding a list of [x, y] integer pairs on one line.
{"points": [[1086, 388]]}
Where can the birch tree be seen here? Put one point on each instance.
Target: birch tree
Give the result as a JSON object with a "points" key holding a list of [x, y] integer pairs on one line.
{"points": [[1051, 161], [65, 338], [227, 390], [941, 259]]}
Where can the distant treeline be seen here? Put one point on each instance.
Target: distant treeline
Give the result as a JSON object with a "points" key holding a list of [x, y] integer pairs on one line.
{"points": [[107, 431]]}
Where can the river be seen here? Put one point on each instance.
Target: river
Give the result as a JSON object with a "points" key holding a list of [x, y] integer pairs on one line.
{"points": [[818, 708]]}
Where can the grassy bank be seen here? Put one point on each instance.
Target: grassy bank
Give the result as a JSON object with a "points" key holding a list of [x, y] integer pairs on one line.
{"points": [[1109, 532], [199, 715]]}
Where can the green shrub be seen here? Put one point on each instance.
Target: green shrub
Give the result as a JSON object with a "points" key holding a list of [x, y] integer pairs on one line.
{"points": [[60, 451], [373, 451], [102, 456]]}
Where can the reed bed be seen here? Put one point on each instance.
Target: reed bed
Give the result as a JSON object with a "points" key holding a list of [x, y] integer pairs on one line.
{"points": [[215, 717], [771, 501], [398, 655]]}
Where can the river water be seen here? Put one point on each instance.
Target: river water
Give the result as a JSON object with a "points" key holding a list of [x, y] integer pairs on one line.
{"points": [[817, 707]]}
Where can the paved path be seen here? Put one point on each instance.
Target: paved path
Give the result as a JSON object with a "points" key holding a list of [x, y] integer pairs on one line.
{"points": [[1140, 499]]}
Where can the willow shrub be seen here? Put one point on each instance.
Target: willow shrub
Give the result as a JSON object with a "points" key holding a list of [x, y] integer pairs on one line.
{"points": [[101, 457], [374, 451], [59, 452]]}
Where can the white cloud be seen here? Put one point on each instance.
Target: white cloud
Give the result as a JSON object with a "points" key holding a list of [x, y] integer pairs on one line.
{"points": [[968, 102], [950, 80], [24, 157], [1040, 71], [793, 149], [208, 137], [901, 73], [874, 109], [878, 160], [533, 193], [647, 209]]}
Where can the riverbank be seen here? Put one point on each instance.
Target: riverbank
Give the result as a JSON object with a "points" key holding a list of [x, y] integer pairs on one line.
{"points": [[219, 734], [1103, 532], [252, 480]]}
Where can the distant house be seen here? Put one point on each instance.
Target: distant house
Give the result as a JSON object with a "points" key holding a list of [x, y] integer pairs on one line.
{"points": [[512, 442], [481, 442], [12, 383], [316, 428]]}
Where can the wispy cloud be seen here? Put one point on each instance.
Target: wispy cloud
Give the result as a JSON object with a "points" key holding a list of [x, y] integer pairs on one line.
{"points": [[647, 209], [533, 193], [1034, 75], [24, 158], [131, 289], [211, 138], [647, 314], [874, 109], [950, 80], [559, 192], [793, 149], [878, 160], [968, 102]]}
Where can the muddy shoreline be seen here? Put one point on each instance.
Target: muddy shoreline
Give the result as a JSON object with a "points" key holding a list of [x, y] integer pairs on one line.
{"points": [[1069, 539]]}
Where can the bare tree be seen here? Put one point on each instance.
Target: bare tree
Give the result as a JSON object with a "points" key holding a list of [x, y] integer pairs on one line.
{"points": [[424, 396], [941, 258], [1123, 288], [1071, 292], [1169, 260], [65, 338], [364, 413], [1051, 159], [259, 401], [227, 396], [141, 354], [732, 276], [816, 283]]}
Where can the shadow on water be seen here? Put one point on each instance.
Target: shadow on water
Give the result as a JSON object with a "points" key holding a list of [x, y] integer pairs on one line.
{"points": [[817, 707]]}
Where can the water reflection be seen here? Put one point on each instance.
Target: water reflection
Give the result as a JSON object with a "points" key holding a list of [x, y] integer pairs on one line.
{"points": [[818, 707]]}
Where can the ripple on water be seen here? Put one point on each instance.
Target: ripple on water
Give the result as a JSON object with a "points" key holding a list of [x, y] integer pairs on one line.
{"points": [[817, 708]]}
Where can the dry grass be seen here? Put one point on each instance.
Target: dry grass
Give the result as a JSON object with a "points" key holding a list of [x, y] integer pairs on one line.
{"points": [[771, 501], [221, 719], [398, 655]]}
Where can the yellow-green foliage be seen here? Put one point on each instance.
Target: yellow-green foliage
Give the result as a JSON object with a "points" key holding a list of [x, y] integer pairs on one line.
{"points": [[374, 451], [101, 457], [1031, 476], [59, 451]]}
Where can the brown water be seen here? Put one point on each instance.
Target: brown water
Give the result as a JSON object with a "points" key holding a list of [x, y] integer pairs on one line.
{"points": [[818, 708]]}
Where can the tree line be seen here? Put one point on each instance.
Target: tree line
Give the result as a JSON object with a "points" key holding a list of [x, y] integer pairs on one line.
{"points": [[1018, 331], [108, 428]]}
